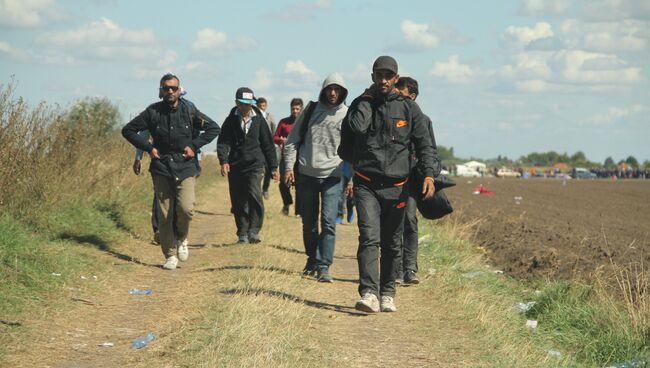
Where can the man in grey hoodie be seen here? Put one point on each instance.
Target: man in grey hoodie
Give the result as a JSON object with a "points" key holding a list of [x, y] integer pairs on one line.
{"points": [[313, 144]]}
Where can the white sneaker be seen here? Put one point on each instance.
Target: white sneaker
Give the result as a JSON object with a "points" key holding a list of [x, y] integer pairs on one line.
{"points": [[368, 303], [388, 304], [171, 263], [183, 252]]}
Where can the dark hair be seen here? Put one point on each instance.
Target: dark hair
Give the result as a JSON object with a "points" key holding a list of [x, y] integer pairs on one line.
{"points": [[296, 101], [167, 77], [261, 100], [409, 83]]}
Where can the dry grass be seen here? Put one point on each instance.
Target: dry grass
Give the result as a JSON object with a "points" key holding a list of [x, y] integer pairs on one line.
{"points": [[53, 156]]}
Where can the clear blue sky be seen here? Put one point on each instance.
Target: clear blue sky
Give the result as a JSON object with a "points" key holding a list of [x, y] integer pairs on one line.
{"points": [[504, 77]]}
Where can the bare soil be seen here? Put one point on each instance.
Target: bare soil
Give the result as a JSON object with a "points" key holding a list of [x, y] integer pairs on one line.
{"points": [[550, 228]]}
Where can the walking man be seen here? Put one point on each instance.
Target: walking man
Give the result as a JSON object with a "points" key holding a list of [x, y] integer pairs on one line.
{"points": [[262, 104], [312, 144], [408, 267], [376, 135], [245, 148], [173, 126], [280, 137]]}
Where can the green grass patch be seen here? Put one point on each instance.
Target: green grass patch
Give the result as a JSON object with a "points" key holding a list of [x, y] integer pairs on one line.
{"points": [[589, 325], [41, 255]]}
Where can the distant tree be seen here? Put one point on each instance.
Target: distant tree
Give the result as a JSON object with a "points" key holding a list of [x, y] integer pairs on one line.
{"points": [[445, 154], [94, 116], [646, 164], [609, 162], [579, 156], [631, 160]]}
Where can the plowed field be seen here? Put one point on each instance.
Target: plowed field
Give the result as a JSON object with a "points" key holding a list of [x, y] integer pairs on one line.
{"points": [[541, 228]]}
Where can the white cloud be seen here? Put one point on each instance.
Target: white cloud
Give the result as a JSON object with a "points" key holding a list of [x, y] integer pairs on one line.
{"points": [[614, 114], [297, 67], [543, 7], [575, 64], [622, 35], [527, 65], [102, 39], [615, 10], [29, 13], [454, 71], [216, 42], [12, 52], [419, 35], [209, 39], [263, 80], [299, 75], [525, 35]]}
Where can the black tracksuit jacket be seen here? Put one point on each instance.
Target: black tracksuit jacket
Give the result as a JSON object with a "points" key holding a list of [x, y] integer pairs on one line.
{"points": [[379, 131]]}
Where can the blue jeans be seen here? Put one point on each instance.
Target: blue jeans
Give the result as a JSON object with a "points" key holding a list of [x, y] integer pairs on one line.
{"points": [[319, 195]]}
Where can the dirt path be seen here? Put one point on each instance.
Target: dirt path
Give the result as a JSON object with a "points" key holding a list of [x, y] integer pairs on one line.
{"points": [[426, 331]]}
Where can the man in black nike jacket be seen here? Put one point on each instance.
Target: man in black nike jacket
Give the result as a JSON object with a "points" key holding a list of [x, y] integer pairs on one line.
{"points": [[376, 135]]}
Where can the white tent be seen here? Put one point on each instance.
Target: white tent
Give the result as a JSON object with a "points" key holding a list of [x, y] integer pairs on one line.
{"points": [[478, 166]]}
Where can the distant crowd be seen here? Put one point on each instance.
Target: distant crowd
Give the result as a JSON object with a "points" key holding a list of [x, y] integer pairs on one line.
{"points": [[618, 173]]}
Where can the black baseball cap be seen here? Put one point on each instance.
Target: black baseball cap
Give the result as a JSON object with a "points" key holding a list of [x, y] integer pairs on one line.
{"points": [[385, 63], [245, 95]]}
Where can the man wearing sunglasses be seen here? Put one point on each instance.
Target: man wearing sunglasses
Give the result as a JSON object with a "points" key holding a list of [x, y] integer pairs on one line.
{"points": [[178, 131]]}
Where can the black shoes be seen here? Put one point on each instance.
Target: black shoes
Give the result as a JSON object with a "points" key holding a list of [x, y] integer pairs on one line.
{"points": [[411, 278], [254, 238]]}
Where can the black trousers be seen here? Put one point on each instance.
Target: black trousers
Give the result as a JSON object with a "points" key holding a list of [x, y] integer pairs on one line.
{"points": [[285, 191], [409, 261], [246, 200], [380, 211], [267, 180]]}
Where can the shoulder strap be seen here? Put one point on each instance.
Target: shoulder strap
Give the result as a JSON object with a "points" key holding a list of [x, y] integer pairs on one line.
{"points": [[309, 111]]}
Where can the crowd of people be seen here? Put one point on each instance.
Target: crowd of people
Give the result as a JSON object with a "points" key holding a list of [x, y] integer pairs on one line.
{"points": [[378, 154]]}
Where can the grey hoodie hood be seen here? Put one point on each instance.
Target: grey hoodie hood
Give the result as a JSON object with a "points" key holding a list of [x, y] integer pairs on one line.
{"points": [[334, 78]]}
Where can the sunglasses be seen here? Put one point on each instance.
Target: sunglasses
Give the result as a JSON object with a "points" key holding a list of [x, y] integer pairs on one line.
{"points": [[165, 88]]}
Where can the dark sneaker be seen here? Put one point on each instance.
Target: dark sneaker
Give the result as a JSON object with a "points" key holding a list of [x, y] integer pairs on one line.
{"points": [[339, 220], [368, 303], [399, 281], [242, 239], [411, 278], [285, 210], [324, 275], [254, 238], [309, 270]]}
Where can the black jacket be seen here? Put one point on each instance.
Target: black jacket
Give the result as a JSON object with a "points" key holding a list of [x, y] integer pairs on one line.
{"points": [[172, 129], [378, 132], [250, 151]]}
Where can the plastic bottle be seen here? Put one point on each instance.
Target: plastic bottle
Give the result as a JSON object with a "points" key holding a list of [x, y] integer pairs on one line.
{"points": [[136, 291], [143, 341]]}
